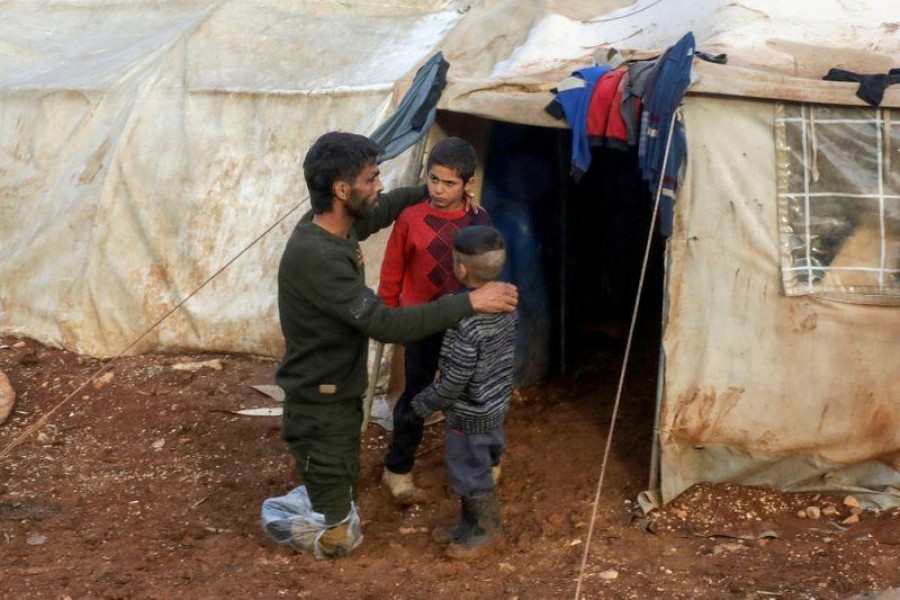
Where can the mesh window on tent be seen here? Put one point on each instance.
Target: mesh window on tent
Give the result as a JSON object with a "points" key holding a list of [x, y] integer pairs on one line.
{"points": [[839, 202]]}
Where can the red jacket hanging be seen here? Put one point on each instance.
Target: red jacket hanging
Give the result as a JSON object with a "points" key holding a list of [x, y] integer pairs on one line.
{"points": [[604, 117]]}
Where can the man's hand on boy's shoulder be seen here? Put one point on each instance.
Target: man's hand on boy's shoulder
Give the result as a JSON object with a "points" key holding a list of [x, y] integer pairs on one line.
{"points": [[494, 297]]}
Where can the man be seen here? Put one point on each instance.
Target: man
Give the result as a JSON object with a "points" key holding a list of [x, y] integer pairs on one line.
{"points": [[328, 313]]}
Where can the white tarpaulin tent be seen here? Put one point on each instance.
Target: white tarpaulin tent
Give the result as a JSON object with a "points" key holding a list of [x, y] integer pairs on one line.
{"points": [[143, 145], [146, 144]]}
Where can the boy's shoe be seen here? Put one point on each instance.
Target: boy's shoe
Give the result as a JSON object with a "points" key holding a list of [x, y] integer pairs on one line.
{"points": [[402, 487], [447, 535], [333, 542], [484, 535]]}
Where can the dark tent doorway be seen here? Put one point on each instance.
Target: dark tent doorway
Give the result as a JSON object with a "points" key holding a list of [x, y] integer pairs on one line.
{"points": [[575, 248]]}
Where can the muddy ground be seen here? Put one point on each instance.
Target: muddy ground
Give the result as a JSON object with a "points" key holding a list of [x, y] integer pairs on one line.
{"points": [[144, 485]]}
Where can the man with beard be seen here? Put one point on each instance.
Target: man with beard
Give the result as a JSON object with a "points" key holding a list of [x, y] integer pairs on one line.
{"points": [[328, 313]]}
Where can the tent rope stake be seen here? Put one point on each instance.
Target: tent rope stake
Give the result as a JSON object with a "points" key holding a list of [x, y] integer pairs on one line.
{"points": [[40, 423], [634, 315]]}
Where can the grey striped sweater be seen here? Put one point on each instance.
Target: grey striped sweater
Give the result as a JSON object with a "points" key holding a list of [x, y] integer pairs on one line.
{"points": [[476, 374]]}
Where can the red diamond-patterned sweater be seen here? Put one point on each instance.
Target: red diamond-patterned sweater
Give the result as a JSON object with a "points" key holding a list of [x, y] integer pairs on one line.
{"points": [[418, 261]]}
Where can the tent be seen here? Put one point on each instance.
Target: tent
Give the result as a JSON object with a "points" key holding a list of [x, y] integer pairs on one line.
{"points": [[145, 145]]}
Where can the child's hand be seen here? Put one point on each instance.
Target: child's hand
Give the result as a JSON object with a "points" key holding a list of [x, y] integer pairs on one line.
{"points": [[471, 200], [419, 411]]}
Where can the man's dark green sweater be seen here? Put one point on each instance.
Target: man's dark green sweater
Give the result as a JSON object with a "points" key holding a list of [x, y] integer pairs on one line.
{"points": [[328, 313]]}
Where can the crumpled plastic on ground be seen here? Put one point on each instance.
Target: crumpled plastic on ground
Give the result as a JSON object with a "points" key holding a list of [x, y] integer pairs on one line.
{"points": [[291, 520]]}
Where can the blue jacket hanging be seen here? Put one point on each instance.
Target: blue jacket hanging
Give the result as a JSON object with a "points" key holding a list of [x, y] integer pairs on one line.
{"points": [[669, 81], [572, 100]]}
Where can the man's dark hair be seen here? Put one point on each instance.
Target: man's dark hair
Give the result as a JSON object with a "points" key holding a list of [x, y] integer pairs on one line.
{"points": [[335, 156], [454, 153]]}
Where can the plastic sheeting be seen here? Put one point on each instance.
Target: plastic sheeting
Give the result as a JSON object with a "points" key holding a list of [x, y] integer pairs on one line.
{"points": [[144, 145], [796, 393]]}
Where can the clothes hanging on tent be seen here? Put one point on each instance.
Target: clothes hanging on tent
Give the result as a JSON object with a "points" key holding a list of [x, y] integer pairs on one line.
{"points": [[573, 97], [631, 102], [666, 85], [605, 126], [591, 101], [871, 87], [416, 112]]}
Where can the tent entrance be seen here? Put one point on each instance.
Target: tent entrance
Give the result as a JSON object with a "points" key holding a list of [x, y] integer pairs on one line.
{"points": [[575, 249], [606, 223]]}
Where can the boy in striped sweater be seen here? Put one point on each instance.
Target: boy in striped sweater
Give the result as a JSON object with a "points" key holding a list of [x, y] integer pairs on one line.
{"points": [[473, 390]]}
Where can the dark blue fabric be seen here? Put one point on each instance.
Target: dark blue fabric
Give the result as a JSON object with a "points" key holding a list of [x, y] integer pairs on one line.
{"points": [[662, 98], [469, 458], [415, 114], [575, 103], [871, 87]]}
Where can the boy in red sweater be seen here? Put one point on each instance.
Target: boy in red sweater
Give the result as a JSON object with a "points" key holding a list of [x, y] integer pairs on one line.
{"points": [[417, 268]]}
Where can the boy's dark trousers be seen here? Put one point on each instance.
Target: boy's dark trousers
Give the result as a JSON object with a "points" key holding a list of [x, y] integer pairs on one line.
{"points": [[420, 366], [469, 457]]}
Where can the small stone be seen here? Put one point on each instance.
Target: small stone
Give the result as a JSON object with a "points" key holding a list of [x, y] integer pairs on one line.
{"points": [[103, 380], [36, 539], [829, 511], [813, 512], [19, 345], [214, 364], [158, 444], [575, 542], [851, 520], [609, 575], [800, 514], [729, 547], [851, 502], [680, 513], [42, 438]]}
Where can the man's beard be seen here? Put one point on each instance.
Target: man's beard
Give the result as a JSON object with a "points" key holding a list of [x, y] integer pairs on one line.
{"points": [[358, 207]]}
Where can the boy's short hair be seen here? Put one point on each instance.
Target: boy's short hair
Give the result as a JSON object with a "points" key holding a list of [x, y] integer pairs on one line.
{"points": [[454, 153], [482, 250], [335, 156]]}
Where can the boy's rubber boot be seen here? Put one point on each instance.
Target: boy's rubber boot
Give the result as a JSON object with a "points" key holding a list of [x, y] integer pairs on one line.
{"points": [[402, 488], [447, 535], [486, 534], [333, 542]]}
